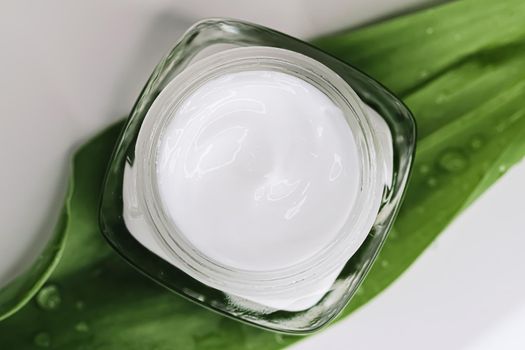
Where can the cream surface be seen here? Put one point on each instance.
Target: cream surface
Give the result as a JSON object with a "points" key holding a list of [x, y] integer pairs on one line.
{"points": [[258, 169]]}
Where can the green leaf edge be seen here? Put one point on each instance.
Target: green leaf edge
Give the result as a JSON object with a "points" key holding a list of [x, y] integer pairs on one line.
{"points": [[22, 288]]}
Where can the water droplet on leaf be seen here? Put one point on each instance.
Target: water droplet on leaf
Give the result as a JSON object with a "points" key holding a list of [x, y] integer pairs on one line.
{"points": [[279, 338], [48, 298], [42, 340], [82, 327], [440, 98], [424, 169], [453, 161], [476, 142], [429, 30], [431, 182], [79, 305]]}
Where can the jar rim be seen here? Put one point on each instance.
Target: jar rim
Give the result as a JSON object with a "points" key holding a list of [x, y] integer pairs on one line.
{"points": [[327, 260]]}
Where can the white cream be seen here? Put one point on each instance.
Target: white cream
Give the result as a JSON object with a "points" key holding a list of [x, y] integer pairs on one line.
{"points": [[259, 170]]}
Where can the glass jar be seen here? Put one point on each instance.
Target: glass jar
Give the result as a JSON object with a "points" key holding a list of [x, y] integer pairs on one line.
{"points": [[133, 219]]}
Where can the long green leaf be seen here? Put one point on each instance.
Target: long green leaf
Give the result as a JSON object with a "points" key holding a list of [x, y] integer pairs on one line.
{"points": [[459, 68]]}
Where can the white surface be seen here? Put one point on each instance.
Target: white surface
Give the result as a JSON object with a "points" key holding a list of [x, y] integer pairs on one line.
{"points": [[68, 68]]}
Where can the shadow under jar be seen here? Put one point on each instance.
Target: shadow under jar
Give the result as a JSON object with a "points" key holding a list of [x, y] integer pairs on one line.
{"points": [[258, 176]]}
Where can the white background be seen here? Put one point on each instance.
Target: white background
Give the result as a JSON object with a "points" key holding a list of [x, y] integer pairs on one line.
{"points": [[67, 68]]}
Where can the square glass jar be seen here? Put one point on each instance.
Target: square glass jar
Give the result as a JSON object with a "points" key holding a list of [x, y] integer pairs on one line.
{"points": [[395, 130]]}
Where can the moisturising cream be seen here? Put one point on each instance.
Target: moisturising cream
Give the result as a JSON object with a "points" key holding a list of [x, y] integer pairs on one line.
{"points": [[258, 169], [256, 176]]}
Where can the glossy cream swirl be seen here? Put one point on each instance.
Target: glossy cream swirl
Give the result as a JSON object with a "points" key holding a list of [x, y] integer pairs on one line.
{"points": [[258, 169]]}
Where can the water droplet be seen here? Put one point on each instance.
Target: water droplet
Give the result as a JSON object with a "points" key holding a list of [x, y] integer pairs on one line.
{"points": [[476, 142], [384, 263], [42, 340], [82, 327], [502, 168], [48, 298], [429, 30], [500, 127], [516, 116], [279, 338], [424, 169], [80, 305], [440, 98], [452, 161], [431, 182], [423, 73]]}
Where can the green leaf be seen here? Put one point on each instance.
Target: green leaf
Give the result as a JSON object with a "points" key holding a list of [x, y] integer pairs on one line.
{"points": [[19, 291], [408, 52], [464, 79]]}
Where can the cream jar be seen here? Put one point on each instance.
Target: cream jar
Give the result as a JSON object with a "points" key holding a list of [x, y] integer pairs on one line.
{"points": [[257, 176]]}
